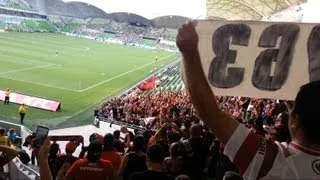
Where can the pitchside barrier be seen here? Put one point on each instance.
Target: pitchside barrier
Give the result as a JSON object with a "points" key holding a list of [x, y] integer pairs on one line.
{"points": [[259, 59], [32, 101]]}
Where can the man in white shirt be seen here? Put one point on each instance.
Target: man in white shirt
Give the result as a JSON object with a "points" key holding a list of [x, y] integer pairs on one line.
{"points": [[256, 157]]}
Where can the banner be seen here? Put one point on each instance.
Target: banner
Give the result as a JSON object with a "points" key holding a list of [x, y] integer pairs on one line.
{"points": [[31, 101], [148, 84], [259, 59]]}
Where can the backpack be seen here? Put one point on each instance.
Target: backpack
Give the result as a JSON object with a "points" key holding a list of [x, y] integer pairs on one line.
{"points": [[63, 170]]}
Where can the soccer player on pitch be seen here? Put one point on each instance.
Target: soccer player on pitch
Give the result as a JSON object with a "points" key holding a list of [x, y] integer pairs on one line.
{"points": [[256, 157]]}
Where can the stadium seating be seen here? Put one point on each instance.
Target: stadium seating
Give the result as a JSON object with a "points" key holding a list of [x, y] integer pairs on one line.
{"points": [[16, 4]]}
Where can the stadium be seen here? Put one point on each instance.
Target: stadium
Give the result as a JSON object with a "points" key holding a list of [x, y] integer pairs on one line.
{"points": [[113, 74]]}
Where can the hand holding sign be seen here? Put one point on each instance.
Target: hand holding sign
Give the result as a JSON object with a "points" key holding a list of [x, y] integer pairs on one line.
{"points": [[187, 38]]}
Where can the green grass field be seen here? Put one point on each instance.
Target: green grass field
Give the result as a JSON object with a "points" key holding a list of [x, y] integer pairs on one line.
{"points": [[82, 75]]}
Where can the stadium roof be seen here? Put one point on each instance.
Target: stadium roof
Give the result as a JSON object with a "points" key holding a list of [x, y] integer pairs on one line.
{"points": [[247, 9]]}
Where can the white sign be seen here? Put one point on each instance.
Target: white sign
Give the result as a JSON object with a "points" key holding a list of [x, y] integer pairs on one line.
{"points": [[259, 59], [36, 102]]}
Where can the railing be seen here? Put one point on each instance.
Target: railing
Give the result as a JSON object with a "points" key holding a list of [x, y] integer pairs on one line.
{"points": [[17, 170]]}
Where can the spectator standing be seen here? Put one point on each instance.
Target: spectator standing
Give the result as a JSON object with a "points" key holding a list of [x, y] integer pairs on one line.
{"points": [[174, 163], [4, 140], [134, 161], [109, 153], [12, 135], [93, 167], [65, 161], [22, 110], [118, 144], [23, 155], [155, 170], [7, 96], [52, 159], [128, 136], [197, 153]]}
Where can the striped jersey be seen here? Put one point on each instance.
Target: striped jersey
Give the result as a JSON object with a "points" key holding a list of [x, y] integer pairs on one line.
{"points": [[258, 158]]}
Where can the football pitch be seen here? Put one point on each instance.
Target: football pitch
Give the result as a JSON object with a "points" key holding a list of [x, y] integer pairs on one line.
{"points": [[78, 72]]}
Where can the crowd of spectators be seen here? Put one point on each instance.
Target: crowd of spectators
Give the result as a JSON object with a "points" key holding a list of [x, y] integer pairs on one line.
{"points": [[265, 116], [175, 145]]}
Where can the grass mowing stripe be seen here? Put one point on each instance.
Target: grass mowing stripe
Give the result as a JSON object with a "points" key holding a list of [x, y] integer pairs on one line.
{"points": [[40, 84], [26, 69], [22, 59], [125, 73]]}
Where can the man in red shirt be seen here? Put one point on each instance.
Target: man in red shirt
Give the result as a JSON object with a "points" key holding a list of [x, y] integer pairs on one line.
{"points": [[92, 167]]}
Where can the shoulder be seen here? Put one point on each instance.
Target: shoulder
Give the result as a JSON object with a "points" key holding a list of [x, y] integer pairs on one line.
{"points": [[105, 162], [80, 162], [137, 175]]}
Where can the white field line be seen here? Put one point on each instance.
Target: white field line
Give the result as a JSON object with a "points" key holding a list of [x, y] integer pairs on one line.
{"points": [[40, 84], [26, 69], [120, 75], [112, 93]]}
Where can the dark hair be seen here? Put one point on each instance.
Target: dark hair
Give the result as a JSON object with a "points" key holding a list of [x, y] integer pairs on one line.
{"points": [[307, 110], [94, 151], [116, 134], [284, 118], [93, 137], [54, 149], [155, 153], [108, 142], [173, 137], [18, 140], [147, 134], [2, 131], [176, 150], [230, 175], [258, 123], [138, 143], [187, 123]]}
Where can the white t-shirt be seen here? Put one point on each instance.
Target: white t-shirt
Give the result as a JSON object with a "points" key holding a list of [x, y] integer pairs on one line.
{"points": [[258, 158]]}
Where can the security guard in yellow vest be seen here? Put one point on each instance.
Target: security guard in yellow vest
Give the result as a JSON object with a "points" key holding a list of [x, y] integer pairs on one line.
{"points": [[7, 96], [4, 140], [22, 111]]}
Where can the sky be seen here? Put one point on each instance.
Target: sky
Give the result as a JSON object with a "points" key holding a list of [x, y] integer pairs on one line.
{"points": [[152, 8]]}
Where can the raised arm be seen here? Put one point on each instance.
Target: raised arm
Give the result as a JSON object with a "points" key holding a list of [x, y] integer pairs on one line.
{"points": [[45, 173], [8, 153], [200, 92]]}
